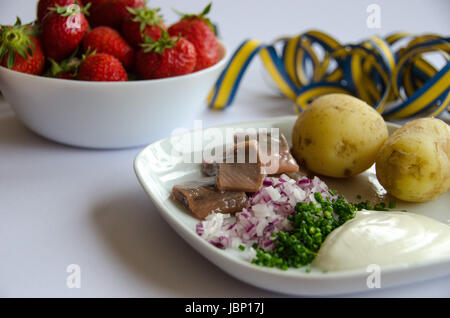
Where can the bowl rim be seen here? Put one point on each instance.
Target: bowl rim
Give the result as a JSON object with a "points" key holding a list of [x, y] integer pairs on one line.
{"points": [[220, 63]]}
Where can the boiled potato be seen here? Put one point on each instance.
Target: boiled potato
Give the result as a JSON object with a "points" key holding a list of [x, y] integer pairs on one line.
{"points": [[413, 164], [338, 136]]}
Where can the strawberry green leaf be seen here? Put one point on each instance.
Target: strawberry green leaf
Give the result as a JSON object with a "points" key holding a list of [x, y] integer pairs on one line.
{"points": [[29, 51], [18, 22], [206, 10], [66, 11], [145, 16], [69, 65], [201, 16], [3, 51], [21, 52], [55, 68], [164, 42], [85, 9], [11, 59]]}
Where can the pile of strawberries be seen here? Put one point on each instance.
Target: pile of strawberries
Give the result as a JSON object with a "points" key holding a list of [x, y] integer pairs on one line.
{"points": [[107, 40]]}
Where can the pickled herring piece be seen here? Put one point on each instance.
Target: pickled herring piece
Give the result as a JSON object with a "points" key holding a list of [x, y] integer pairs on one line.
{"points": [[242, 169], [202, 198], [274, 152]]}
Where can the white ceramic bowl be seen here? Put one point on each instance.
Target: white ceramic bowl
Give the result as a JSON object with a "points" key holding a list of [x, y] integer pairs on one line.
{"points": [[107, 114]]}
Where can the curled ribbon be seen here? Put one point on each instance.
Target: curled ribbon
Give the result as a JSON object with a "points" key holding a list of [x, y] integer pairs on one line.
{"points": [[313, 63]]}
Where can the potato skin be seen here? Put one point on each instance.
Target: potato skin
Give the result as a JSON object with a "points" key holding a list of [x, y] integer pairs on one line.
{"points": [[338, 136], [413, 164]]}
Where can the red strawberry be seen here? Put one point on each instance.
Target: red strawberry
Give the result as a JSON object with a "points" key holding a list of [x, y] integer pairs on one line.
{"points": [[63, 30], [102, 67], [104, 39], [95, 4], [94, 10], [113, 12], [167, 57], [200, 32], [43, 5], [142, 21], [20, 50]]}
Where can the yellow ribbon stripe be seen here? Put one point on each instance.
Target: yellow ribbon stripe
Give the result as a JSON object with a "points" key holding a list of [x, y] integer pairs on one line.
{"points": [[290, 55], [313, 92], [276, 74], [220, 96], [391, 74]]}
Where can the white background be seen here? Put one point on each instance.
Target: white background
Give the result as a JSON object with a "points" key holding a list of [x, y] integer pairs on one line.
{"points": [[61, 205]]}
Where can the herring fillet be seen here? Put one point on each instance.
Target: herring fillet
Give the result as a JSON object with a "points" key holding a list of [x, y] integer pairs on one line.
{"points": [[202, 197], [240, 172], [283, 161]]}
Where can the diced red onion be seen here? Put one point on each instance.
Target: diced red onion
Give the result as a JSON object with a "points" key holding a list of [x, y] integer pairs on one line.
{"points": [[266, 215]]}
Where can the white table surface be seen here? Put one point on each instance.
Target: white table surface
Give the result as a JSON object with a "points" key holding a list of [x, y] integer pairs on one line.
{"points": [[61, 205]]}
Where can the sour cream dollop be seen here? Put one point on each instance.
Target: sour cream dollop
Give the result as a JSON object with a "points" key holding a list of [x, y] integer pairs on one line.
{"points": [[383, 238]]}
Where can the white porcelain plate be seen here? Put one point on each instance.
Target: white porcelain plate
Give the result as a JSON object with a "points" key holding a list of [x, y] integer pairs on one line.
{"points": [[158, 170]]}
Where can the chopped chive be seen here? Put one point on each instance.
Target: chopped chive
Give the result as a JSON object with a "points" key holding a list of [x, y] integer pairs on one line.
{"points": [[311, 224]]}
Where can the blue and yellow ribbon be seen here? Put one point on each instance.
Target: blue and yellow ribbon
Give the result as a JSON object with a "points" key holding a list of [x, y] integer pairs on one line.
{"points": [[313, 63]]}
